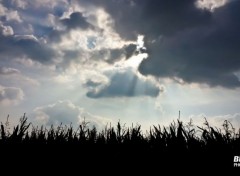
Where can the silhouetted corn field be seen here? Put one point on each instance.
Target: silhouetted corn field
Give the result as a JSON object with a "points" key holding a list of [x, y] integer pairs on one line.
{"points": [[177, 142]]}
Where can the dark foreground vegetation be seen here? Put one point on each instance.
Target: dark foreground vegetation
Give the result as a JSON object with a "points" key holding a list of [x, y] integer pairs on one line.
{"points": [[174, 146]]}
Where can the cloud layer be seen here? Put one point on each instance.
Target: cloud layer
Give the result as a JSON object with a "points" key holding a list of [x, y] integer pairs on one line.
{"points": [[192, 41], [208, 54]]}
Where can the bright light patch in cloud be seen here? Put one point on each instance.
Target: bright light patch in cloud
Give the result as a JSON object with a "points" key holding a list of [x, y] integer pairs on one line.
{"points": [[210, 4], [6, 30], [140, 42], [136, 60]]}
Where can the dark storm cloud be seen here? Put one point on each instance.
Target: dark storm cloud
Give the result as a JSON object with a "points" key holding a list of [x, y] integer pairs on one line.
{"points": [[130, 50], [76, 20], [26, 45], [113, 55], [124, 83], [152, 17], [207, 55], [183, 41]]}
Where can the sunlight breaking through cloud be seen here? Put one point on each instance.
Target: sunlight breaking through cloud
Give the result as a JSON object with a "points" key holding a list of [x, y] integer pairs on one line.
{"points": [[145, 59]]}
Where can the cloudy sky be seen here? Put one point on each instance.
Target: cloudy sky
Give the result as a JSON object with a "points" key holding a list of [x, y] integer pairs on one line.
{"points": [[137, 61]]}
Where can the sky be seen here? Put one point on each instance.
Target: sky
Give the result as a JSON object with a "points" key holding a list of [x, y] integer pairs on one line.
{"points": [[133, 61]]}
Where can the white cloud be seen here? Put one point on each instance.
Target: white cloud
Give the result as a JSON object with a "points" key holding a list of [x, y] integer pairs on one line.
{"points": [[67, 113], [47, 3], [3, 10], [7, 71], [13, 15], [26, 37], [10, 95], [217, 120], [6, 30], [23, 4], [210, 5]]}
